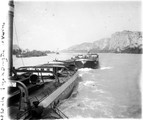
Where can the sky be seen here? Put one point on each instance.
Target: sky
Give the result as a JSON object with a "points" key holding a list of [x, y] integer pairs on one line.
{"points": [[58, 25]]}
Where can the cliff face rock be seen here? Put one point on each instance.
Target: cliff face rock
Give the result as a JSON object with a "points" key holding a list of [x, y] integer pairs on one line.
{"points": [[120, 42], [102, 44]]}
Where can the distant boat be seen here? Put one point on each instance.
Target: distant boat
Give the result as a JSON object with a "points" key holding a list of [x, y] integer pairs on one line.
{"points": [[57, 53]]}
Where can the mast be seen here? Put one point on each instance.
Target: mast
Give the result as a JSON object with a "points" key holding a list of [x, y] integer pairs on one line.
{"points": [[10, 34]]}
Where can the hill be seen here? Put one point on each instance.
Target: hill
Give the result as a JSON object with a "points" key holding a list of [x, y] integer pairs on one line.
{"points": [[119, 42]]}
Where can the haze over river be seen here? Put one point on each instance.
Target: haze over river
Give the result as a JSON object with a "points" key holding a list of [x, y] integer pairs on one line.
{"points": [[112, 91]]}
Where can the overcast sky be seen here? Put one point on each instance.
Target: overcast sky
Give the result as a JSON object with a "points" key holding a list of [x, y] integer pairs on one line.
{"points": [[58, 25]]}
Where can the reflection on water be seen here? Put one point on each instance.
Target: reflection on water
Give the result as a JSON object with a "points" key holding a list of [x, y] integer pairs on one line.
{"points": [[112, 91]]}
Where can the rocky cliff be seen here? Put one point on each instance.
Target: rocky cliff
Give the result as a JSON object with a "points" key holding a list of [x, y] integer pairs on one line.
{"points": [[119, 42]]}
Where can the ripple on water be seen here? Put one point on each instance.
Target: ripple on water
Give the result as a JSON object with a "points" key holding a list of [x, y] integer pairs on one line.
{"points": [[109, 92]]}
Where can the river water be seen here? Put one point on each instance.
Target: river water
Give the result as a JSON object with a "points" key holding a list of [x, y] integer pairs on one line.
{"points": [[112, 91]]}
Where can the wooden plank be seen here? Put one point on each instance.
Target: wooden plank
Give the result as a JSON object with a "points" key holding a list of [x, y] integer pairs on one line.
{"points": [[47, 101]]}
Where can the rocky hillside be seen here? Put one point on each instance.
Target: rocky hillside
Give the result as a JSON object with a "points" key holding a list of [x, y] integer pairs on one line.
{"points": [[120, 42]]}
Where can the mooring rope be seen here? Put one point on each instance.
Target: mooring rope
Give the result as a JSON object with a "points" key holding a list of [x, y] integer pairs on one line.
{"points": [[17, 40], [61, 113]]}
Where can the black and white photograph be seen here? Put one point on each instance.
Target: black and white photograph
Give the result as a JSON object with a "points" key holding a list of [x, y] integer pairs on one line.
{"points": [[71, 59]]}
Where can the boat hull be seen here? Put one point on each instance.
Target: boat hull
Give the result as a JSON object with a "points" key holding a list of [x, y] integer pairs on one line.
{"points": [[50, 100], [86, 64], [61, 93]]}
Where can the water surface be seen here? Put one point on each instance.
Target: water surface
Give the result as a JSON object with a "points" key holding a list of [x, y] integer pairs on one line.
{"points": [[112, 91]]}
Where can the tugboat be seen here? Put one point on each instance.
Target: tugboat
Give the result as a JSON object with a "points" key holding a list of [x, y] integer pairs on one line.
{"points": [[35, 91], [87, 61]]}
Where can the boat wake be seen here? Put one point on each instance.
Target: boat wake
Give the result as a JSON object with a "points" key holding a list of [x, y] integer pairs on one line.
{"points": [[98, 96], [85, 69], [91, 100], [105, 68]]}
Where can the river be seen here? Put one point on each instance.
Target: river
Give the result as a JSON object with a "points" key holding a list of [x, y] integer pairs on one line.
{"points": [[112, 91]]}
